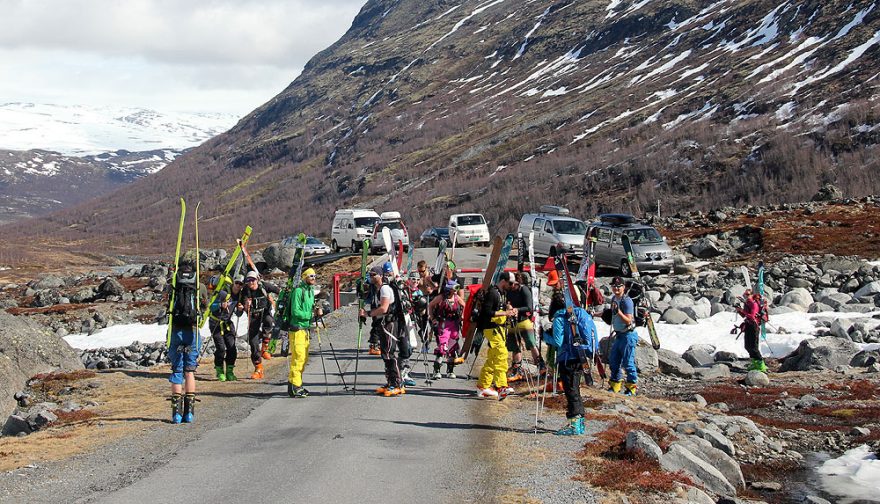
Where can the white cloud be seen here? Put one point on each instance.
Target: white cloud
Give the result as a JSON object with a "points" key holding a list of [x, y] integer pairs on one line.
{"points": [[210, 55]]}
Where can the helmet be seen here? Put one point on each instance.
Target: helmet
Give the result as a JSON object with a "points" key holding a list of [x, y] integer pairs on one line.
{"points": [[387, 269], [213, 281]]}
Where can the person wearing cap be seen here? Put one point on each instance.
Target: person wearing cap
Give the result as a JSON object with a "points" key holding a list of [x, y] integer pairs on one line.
{"points": [[222, 328], [380, 307], [623, 351], [445, 312], [491, 320], [522, 330], [301, 307], [257, 304]]}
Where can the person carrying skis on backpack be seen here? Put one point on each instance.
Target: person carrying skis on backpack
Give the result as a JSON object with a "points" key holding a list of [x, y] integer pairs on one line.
{"points": [[523, 333], [190, 300], [300, 308], [491, 320], [623, 350], [381, 307], [222, 328], [257, 303], [751, 327], [574, 337], [445, 314]]}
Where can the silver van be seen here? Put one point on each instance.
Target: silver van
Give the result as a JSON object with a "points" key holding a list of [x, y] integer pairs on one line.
{"points": [[553, 226], [650, 250]]}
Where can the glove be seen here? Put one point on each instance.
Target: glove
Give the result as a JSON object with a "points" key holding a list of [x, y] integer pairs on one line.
{"points": [[614, 308], [362, 320]]}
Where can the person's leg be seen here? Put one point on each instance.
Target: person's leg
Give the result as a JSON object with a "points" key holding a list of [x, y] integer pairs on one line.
{"points": [[498, 349], [629, 362], [615, 358], [192, 345]]}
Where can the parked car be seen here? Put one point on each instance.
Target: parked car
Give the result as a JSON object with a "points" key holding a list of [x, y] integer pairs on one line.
{"points": [[315, 246], [432, 237], [469, 228], [351, 226], [393, 222], [553, 226], [650, 250]]}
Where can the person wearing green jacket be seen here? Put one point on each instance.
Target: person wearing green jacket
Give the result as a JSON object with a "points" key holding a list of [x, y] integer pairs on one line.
{"points": [[301, 306]]}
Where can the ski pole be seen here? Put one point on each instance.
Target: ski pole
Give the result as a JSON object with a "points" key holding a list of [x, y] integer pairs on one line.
{"points": [[323, 366], [333, 351]]}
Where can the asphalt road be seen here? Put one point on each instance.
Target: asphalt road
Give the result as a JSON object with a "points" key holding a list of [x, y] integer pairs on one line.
{"points": [[336, 446]]}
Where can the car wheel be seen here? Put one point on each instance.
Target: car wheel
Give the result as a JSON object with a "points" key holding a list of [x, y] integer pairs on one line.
{"points": [[354, 246], [552, 251], [334, 246], [625, 270]]}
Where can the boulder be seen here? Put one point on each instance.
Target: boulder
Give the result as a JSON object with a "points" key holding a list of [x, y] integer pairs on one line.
{"points": [[40, 419], [819, 308], [717, 440], [725, 464], [26, 349], [49, 297], [670, 363], [828, 192], [702, 309], [841, 328], [677, 317], [717, 308], [820, 353], [722, 356], [639, 441], [836, 299], [110, 287], [682, 300], [865, 358], [699, 355], [856, 308], [706, 248], [712, 373], [868, 290], [646, 358], [757, 379], [278, 256], [47, 282], [83, 295], [798, 299], [679, 458]]}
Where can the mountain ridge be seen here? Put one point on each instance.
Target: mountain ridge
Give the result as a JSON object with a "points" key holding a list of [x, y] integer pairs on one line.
{"points": [[499, 106]]}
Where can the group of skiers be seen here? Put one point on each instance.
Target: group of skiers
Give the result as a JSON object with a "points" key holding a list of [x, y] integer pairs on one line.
{"points": [[504, 320]]}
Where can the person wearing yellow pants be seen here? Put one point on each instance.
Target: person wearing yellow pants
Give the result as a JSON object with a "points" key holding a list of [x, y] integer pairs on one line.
{"points": [[491, 321], [301, 306]]}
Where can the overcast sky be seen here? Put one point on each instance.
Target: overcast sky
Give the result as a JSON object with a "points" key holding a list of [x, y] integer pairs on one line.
{"points": [[171, 55]]}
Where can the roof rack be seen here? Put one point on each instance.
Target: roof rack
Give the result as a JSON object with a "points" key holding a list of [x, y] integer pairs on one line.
{"points": [[553, 210], [617, 219]]}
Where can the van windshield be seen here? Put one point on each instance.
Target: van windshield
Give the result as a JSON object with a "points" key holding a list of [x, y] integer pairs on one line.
{"points": [[470, 220], [569, 227], [391, 225], [365, 222], [644, 235]]}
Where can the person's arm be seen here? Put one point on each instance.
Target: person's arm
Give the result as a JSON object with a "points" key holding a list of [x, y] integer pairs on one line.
{"points": [[432, 306], [624, 309], [527, 297], [556, 335], [384, 304]]}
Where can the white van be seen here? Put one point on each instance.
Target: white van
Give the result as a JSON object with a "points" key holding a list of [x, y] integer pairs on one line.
{"points": [[469, 228], [553, 226], [351, 226]]}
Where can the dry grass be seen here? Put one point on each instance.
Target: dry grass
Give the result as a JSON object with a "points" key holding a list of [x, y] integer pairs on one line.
{"points": [[861, 390]]}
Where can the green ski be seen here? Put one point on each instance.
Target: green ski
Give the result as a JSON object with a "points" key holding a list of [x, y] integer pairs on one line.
{"points": [[649, 320], [225, 277], [174, 273], [362, 289]]}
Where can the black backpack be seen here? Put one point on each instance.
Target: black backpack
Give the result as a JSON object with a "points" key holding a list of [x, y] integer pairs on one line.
{"points": [[402, 303], [186, 294], [477, 315]]}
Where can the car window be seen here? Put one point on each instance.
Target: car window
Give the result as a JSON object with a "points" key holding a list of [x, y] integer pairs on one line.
{"points": [[615, 237], [644, 235], [548, 227], [538, 224], [365, 222], [470, 220], [603, 234], [570, 227]]}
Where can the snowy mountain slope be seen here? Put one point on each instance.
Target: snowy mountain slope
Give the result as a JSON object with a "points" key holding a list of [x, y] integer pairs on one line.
{"points": [[431, 107], [80, 130]]}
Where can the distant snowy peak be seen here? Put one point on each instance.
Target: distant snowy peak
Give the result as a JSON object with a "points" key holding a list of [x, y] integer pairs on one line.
{"points": [[81, 130]]}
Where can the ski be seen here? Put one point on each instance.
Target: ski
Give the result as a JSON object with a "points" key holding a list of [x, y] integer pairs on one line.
{"points": [[225, 278], [587, 268], [760, 287], [470, 328], [294, 278], [362, 288], [411, 332], [520, 253], [652, 331], [198, 272], [746, 278], [572, 293], [174, 273], [500, 265], [410, 253]]}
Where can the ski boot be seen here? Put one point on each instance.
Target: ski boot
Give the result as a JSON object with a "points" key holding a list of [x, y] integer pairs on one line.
{"points": [[516, 373], [381, 390], [221, 374], [230, 373], [300, 392], [258, 372], [554, 387], [486, 393], [176, 408], [459, 360], [291, 390], [264, 351], [629, 389], [273, 344], [503, 392], [449, 373], [189, 407], [436, 375], [615, 386], [542, 367], [758, 365], [374, 350], [393, 391], [407, 381], [575, 427]]}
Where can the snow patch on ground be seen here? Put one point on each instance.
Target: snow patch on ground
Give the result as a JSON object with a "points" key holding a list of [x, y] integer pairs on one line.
{"points": [[122, 335], [855, 475]]}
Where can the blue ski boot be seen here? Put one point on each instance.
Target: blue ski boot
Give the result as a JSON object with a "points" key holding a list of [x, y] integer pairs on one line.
{"points": [[176, 416], [630, 389], [189, 406], [575, 427]]}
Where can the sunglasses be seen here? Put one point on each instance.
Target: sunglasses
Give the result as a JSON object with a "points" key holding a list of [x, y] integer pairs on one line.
{"points": [[238, 283], [311, 276], [249, 280]]}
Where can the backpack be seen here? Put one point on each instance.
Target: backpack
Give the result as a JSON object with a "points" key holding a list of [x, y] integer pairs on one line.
{"points": [[477, 315], [402, 303], [186, 294]]}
